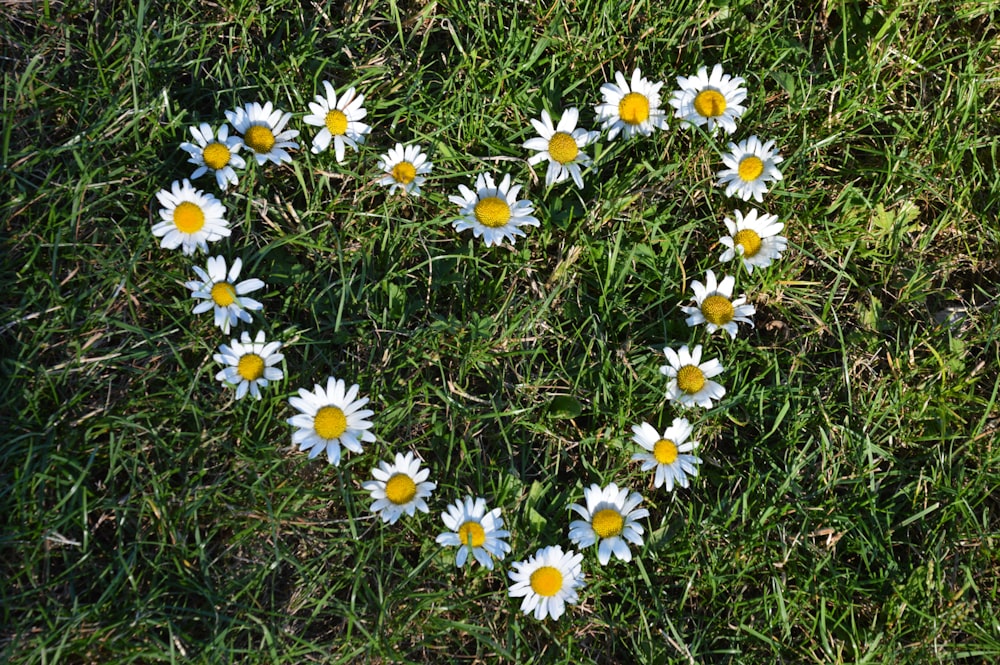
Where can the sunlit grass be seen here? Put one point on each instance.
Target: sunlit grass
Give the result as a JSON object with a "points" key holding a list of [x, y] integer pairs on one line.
{"points": [[846, 510]]}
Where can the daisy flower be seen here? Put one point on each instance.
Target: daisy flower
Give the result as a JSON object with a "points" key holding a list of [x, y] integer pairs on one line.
{"points": [[191, 218], [610, 517], [751, 166], [493, 212], [714, 305], [215, 153], [399, 488], [754, 239], [264, 133], [405, 168], [340, 120], [630, 110], [689, 377], [330, 418], [709, 100], [668, 454], [218, 289], [561, 146], [249, 365], [548, 581], [472, 529]]}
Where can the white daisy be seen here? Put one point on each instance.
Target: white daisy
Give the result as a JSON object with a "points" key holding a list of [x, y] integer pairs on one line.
{"points": [[689, 377], [715, 306], [493, 212], [754, 239], [191, 218], [249, 365], [610, 517], [264, 133], [709, 100], [631, 110], [220, 290], [561, 145], [474, 530], [216, 153], [405, 168], [340, 120], [330, 418], [548, 581], [668, 454], [751, 166], [399, 488]]}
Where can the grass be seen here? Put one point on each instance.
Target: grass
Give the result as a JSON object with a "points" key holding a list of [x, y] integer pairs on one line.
{"points": [[847, 508]]}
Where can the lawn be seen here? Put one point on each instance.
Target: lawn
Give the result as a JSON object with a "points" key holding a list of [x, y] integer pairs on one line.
{"points": [[847, 508]]}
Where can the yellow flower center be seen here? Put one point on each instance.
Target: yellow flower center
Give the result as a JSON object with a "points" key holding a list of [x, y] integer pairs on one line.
{"points": [[215, 155], [546, 581], [492, 212], [223, 294], [634, 108], [665, 451], [472, 534], [607, 523], [563, 148], [750, 241], [330, 422], [259, 138], [710, 103], [750, 168], [189, 217], [404, 173], [717, 309], [400, 489], [250, 367], [336, 122], [690, 379]]}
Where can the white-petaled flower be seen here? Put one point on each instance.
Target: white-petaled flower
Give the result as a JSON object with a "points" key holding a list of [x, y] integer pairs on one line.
{"points": [[219, 290], [493, 212], [668, 454], [548, 581], [473, 529], [215, 153], [689, 377], [610, 517], [340, 120], [330, 418], [249, 365], [561, 145], [709, 100], [405, 168], [751, 166], [191, 218], [754, 239], [399, 488], [631, 110], [264, 133], [714, 305]]}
